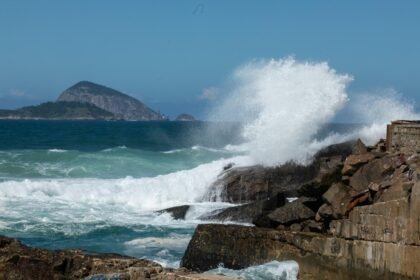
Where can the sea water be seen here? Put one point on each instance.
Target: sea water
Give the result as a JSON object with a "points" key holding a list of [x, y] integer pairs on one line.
{"points": [[96, 185]]}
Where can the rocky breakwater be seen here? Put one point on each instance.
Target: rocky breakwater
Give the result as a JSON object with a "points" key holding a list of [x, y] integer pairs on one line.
{"points": [[20, 262], [356, 217]]}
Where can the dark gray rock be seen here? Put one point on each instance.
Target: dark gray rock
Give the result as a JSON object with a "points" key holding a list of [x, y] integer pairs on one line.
{"points": [[249, 212], [292, 212], [177, 212], [248, 184]]}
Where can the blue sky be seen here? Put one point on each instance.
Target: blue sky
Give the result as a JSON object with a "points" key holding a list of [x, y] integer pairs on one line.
{"points": [[167, 53]]}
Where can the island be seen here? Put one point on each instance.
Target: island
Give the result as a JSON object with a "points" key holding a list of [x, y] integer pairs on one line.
{"points": [[88, 101]]}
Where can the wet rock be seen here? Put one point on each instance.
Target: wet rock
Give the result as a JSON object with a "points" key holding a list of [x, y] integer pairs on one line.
{"points": [[248, 184], [177, 212], [249, 212]]}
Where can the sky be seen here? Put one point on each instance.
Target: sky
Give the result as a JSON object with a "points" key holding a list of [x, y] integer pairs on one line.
{"points": [[173, 55]]}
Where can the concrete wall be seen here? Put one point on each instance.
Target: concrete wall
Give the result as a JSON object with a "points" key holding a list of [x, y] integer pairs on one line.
{"points": [[403, 134]]}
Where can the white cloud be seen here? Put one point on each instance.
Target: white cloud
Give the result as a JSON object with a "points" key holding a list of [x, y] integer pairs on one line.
{"points": [[209, 93]]}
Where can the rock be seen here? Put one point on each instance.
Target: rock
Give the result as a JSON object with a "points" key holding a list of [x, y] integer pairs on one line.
{"points": [[20, 262], [354, 162], [177, 212], [359, 148], [185, 118], [325, 212], [374, 187], [338, 197], [295, 227], [248, 184], [319, 256], [313, 226], [249, 212], [293, 212], [373, 172], [121, 105], [399, 186], [329, 173]]}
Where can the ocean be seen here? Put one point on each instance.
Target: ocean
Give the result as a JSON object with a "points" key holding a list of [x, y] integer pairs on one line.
{"points": [[95, 185]]}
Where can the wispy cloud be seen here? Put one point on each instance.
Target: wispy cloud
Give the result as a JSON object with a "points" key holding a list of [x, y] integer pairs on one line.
{"points": [[209, 93]]}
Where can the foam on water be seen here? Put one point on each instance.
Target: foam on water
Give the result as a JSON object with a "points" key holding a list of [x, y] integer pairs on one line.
{"points": [[286, 270], [181, 187]]}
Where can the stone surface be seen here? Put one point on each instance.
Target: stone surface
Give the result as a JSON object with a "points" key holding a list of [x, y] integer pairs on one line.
{"points": [[319, 256], [373, 172], [19, 262], [353, 162], [403, 135], [359, 148], [338, 197], [292, 212]]}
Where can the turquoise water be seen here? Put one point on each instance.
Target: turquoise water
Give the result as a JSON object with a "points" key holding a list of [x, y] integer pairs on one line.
{"points": [[95, 185]]}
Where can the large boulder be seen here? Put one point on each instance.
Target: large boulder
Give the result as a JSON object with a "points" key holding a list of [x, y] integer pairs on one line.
{"points": [[248, 184], [355, 161], [338, 197], [292, 212], [296, 211], [375, 171]]}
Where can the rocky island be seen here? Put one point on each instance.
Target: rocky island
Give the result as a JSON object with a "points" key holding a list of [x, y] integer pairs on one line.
{"points": [[88, 101]]}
